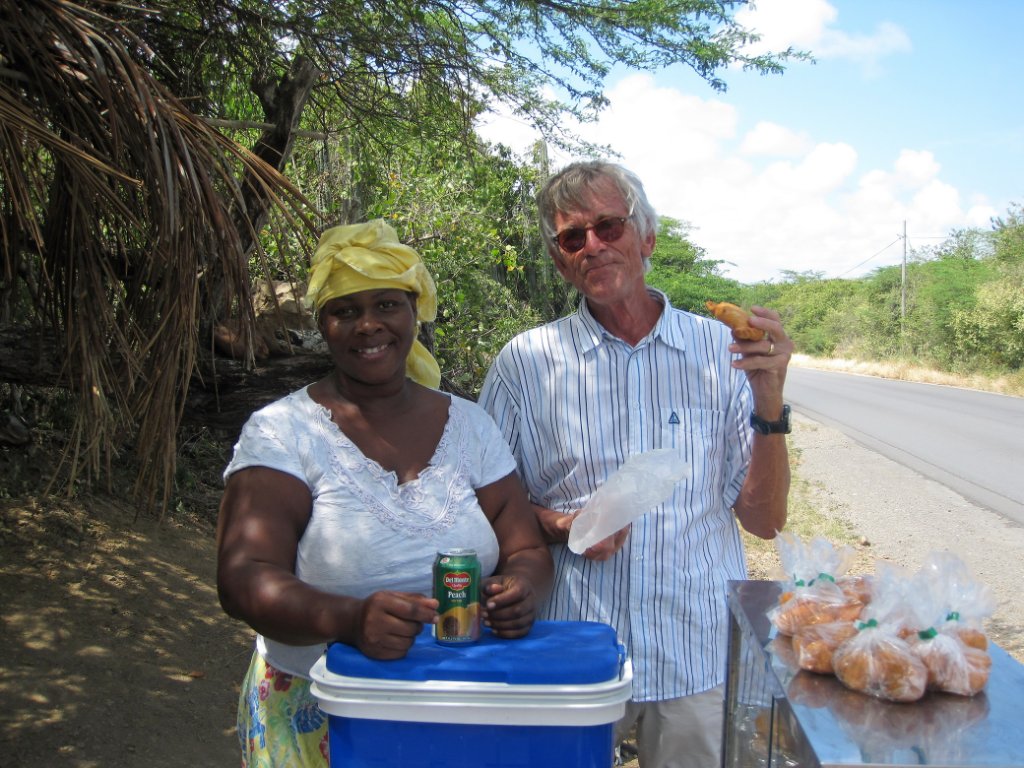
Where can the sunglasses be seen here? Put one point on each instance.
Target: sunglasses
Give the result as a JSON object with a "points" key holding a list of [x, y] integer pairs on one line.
{"points": [[607, 230]]}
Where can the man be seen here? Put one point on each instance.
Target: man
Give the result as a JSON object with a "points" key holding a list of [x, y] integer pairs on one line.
{"points": [[628, 373]]}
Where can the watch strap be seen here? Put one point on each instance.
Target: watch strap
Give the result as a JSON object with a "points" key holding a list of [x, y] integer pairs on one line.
{"points": [[780, 427]]}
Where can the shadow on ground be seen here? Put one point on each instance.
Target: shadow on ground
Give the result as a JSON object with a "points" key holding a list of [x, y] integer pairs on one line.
{"points": [[114, 650]]}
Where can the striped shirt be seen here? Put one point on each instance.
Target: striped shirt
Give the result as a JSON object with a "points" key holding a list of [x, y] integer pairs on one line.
{"points": [[574, 402]]}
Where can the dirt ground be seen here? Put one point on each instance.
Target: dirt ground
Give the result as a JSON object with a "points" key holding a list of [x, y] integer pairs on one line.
{"points": [[114, 651]]}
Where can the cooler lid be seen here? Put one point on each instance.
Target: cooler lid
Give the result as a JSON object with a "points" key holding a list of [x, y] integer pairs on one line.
{"points": [[554, 653]]}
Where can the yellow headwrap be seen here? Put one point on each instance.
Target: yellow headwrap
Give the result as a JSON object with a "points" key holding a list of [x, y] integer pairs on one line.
{"points": [[369, 256]]}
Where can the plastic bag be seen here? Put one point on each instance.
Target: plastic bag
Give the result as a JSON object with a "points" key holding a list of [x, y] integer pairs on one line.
{"points": [[962, 602], [643, 482], [948, 636], [878, 660], [814, 644], [815, 591]]}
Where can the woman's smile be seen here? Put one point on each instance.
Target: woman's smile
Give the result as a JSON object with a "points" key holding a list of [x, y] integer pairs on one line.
{"points": [[372, 351]]}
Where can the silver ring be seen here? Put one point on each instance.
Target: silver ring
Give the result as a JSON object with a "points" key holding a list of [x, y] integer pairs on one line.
{"points": [[771, 347]]}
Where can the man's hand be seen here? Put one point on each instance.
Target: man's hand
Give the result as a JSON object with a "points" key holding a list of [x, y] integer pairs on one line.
{"points": [[765, 362], [606, 548]]}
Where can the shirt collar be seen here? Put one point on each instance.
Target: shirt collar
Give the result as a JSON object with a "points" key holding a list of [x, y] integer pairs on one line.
{"points": [[593, 333]]}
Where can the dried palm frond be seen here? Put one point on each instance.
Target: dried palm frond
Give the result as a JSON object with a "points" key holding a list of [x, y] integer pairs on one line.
{"points": [[122, 215]]}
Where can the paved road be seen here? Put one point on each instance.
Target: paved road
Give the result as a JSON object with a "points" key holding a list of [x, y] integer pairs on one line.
{"points": [[972, 442]]}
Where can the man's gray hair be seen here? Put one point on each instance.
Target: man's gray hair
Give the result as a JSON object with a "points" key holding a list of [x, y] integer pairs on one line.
{"points": [[571, 188]]}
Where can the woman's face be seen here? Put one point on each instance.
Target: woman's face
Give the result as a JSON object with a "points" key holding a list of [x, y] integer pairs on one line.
{"points": [[370, 333]]}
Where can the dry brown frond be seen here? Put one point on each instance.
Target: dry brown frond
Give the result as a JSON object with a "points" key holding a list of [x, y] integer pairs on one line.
{"points": [[121, 209]]}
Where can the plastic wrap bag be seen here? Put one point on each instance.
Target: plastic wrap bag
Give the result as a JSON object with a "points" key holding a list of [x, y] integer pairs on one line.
{"points": [[814, 591], [815, 644], [964, 602], [949, 610], [643, 482], [878, 660]]}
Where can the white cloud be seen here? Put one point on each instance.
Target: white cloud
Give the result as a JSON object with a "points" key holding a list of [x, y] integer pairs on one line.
{"points": [[776, 198], [808, 25], [768, 138], [888, 38], [804, 207], [916, 168], [784, 23]]}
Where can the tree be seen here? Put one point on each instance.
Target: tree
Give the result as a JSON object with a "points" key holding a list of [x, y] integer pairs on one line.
{"points": [[815, 311], [1008, 236], [131, 226], [116, 199], [682, 270]]}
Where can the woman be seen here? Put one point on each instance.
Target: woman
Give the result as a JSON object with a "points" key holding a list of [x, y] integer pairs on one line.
{"points": [[339, 495]]}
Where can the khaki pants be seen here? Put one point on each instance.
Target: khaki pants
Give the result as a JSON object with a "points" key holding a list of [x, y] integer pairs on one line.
{"points": [[676, 733]]}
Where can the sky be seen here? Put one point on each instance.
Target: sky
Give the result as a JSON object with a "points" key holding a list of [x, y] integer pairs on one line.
{"points": [[911, 118]]}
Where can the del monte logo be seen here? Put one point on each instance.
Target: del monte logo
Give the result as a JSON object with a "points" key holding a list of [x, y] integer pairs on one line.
{"points": [[457, 580]]}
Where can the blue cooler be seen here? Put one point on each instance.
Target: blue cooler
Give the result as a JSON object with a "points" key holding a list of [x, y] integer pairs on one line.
{"points": [[548, 700]]}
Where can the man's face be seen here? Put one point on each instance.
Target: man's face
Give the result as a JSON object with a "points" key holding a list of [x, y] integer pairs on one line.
{"points": [[605, 272]]}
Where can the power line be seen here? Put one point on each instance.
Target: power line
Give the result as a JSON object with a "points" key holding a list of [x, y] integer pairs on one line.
{"points": [[869, 258]]}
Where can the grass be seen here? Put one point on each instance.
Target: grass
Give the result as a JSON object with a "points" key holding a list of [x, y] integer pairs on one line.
{"points": [[1003, 384]]}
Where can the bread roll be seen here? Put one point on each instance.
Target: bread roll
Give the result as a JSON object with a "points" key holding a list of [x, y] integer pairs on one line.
{"points": [[815, 644], [736, 319], [804, 609], [881, 665], [952, 666]]}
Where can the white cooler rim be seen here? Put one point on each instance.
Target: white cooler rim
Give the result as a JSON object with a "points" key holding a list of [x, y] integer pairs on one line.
{"points": [[471, 703]]}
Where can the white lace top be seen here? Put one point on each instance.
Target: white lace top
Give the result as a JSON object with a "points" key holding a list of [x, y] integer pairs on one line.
{"points": [[367, 532]]}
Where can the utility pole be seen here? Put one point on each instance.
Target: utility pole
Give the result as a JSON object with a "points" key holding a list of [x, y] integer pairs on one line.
{"points": [[903, 277]]}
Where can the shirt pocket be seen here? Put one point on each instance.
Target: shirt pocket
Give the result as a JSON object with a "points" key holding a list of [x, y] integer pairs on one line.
{"points": [[697, 433]]}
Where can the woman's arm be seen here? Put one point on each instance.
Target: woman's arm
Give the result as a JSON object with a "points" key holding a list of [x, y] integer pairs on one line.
{"points": [[523, 576], [263, 515]]}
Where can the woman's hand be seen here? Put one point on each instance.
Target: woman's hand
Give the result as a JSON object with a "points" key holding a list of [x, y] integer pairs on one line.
{"points": [[509, 605], [390, 621]]}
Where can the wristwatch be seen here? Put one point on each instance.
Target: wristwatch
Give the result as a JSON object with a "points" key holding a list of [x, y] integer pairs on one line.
{"points": [[780, 427]]}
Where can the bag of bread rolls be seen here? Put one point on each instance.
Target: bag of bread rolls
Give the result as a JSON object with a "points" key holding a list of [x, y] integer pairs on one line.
{"points": [[877, 660], [953, 666], [812, 592], [962, 602], [950, 608], [815, 644]]}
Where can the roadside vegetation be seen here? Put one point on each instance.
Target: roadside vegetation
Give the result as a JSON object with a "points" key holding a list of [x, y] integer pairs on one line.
{"points": [[956, 318]]}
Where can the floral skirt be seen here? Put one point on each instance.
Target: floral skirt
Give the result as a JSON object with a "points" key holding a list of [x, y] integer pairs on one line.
{"points": [[279, 722]]}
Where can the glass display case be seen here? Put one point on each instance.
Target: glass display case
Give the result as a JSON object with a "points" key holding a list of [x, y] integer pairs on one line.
{"points": [[778, 716]]}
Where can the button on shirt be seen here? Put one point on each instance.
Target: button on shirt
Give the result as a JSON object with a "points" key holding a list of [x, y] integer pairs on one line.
{"points": [[574, 402]]}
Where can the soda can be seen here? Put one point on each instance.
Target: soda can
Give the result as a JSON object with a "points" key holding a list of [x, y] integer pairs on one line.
{"points": [[457, 591]]}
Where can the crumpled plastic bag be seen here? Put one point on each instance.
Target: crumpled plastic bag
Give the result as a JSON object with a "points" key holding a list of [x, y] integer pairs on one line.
{"points": [[643, 482]]}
